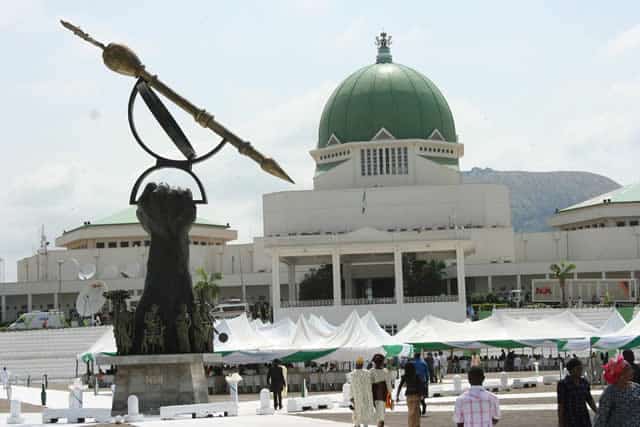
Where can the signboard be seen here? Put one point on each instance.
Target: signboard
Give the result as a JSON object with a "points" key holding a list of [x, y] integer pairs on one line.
{"points": [[589, 291]]}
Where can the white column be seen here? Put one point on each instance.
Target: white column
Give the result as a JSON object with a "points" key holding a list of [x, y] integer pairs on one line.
{"points": [[55, 300], [29, 303], [604, 275], [448, 286], [397, 268], [462, 291], [335, 266], [632, 275], [291, 280], [490, 284], [519, 283], [275, 282], [4, 308]]}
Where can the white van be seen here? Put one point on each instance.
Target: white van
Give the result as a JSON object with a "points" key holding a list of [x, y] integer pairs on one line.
{"points": [[229, 309], [38, 320]]}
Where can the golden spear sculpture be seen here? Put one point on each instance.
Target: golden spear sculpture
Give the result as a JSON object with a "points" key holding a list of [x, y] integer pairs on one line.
{"points": [[123, 60]]}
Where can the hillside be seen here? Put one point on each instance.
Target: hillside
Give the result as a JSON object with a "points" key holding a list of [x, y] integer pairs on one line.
{"points": [[536, 195]]}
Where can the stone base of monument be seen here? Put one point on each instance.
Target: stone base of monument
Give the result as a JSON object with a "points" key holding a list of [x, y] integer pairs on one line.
{"points": [[159, 380]]}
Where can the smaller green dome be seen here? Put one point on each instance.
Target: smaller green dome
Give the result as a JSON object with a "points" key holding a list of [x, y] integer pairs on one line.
{"points": [[385, 95]]}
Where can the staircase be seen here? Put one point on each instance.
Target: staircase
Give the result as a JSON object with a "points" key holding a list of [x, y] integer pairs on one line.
{"points": [[46, 351]]}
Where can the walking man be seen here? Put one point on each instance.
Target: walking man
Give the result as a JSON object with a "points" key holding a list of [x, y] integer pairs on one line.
{"points": [[380, 386], [476, 407], [276, 382], [574, 394], [422, 370], [361, 395]]}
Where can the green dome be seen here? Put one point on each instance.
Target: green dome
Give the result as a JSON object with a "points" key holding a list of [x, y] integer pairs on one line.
{"points": [[385, 95]]}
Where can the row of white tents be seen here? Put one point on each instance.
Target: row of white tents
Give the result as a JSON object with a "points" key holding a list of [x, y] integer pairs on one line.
{"points": [[313, 338]]}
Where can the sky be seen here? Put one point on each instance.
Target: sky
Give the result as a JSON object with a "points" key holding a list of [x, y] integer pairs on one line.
{"points": [[536, 86]]}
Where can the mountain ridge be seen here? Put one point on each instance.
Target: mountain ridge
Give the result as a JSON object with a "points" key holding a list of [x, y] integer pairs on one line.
{"points": [[535, 196]]}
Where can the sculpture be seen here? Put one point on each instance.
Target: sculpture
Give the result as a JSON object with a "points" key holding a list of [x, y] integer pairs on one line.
{"points": [[123, 320], [153, 340], [183, 325], [162, 321]]}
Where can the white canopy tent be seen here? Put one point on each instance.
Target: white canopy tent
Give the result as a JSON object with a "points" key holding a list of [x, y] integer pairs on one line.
{"points": [[313, 338]]}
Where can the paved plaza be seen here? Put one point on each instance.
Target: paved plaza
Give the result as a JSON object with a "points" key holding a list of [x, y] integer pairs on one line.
{"points": [[534, 406]]}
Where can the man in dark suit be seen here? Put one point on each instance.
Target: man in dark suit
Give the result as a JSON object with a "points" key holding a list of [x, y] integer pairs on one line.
{"points": [[276, 383]]}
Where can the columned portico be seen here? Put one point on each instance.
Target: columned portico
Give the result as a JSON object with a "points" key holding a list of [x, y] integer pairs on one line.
{"points": [[364, 270]]}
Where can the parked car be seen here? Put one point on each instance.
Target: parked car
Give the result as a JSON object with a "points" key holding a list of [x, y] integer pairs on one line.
{"points": [[39, 320]]}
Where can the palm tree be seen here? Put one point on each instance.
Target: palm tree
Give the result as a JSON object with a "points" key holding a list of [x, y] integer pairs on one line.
{"points": [[561, 272], [206, 288]]}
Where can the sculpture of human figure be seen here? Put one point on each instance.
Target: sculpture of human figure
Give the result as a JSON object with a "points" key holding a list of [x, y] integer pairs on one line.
{"points": [[183, 324]]}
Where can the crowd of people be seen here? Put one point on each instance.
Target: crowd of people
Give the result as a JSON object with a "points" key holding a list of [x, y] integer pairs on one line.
{"points": [[619, 404], [371, 392]]}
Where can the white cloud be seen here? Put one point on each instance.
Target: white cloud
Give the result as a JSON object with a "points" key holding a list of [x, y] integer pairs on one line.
{"points": [[624, 42]]}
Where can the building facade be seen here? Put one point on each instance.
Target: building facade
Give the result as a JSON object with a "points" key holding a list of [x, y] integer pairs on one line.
{"points": [[387, 197]]}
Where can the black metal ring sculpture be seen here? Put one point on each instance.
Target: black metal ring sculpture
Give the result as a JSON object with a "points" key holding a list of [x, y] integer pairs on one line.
{"points": [[173, 131]]}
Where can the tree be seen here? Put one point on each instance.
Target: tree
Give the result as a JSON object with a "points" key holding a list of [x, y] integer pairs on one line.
{"points": [[561, 272], [206, 288], [317, 283], [421, 275]]}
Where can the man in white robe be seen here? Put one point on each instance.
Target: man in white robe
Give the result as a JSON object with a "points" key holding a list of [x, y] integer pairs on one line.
{"points": [[361, 396]]}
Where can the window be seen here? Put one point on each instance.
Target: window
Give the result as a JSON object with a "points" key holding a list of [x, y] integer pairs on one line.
{"points": [[375, 162], [136, 243], [633, 223], [386, 161], [393, 161], [124, 244], [147, 242], [112, 244], [390, 329], [620, 224], [405, 161], [100, 245]]}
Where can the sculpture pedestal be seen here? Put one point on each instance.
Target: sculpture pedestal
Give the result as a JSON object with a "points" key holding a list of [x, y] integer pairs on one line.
{"points": [[159, 380]]}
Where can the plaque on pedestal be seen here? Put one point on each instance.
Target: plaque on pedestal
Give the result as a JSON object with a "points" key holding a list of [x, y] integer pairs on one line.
{"points": [[159, 380]]}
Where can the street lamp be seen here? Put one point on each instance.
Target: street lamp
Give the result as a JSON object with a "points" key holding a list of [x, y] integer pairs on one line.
{"points": [[60, 262]]}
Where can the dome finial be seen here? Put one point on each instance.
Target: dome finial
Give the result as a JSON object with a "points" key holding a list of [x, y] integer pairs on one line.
{"points": [[383, 41]]}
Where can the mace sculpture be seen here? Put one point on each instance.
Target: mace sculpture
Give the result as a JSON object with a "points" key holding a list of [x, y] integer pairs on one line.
{"points": [[163, 344]]}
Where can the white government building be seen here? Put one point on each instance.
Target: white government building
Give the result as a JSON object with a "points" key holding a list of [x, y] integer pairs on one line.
{"points": [[387, 186]]}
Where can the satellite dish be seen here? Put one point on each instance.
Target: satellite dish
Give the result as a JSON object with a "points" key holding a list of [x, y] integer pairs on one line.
{"points": [[130, 270], [91, 299], [86, 272]]}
